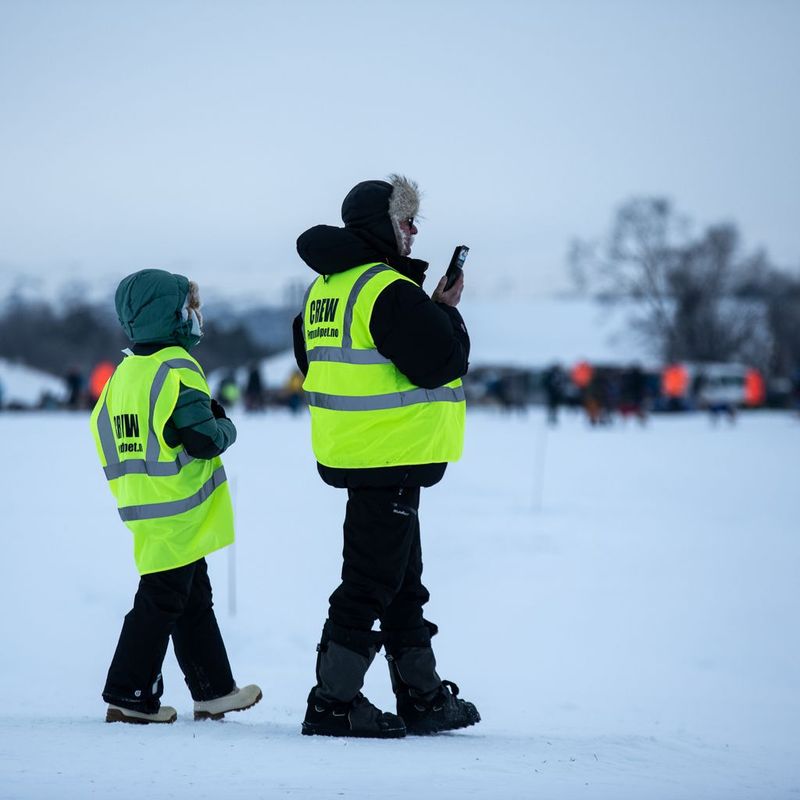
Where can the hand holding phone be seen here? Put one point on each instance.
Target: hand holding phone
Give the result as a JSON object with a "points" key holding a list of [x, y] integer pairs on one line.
{"points": [[456, 266]]}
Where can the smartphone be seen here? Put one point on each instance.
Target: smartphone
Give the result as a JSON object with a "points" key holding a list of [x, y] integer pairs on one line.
{"points": [[456, 265]]}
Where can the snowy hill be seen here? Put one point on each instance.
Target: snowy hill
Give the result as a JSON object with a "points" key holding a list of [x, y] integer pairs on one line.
{"points": [[26, 385], [540, 331], [621, 605]]}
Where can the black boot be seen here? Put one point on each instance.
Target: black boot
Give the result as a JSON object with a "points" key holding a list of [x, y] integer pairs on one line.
{"points": [[336, 706], [358, 718], [426, 703], [445, 711]]}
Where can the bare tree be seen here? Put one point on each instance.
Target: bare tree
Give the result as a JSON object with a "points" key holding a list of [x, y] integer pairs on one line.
{"points": [[682, 287], [777, 292]]}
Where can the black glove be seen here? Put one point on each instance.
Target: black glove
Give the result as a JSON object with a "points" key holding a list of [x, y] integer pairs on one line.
{"points": [[217, 410]]}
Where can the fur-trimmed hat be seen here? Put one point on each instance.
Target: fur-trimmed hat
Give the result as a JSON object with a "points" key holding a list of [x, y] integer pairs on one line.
{"points": [[193, 301], [377, 207], [404, 200]]}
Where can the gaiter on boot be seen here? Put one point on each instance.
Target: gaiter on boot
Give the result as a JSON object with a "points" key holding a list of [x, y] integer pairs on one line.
{"points": [[426, 703], [336, 706]]}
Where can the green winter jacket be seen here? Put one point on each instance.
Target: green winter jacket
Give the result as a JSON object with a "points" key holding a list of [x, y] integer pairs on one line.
{"points": [[149, 305]]}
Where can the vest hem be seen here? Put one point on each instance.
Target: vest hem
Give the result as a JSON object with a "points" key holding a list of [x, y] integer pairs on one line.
{"points": [[413, 475], [184, 561]]}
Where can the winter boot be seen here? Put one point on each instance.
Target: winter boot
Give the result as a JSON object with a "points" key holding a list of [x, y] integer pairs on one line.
{"points": [[336, 706], [165, 714], [237, 700], [426, 703], [358, 718]]}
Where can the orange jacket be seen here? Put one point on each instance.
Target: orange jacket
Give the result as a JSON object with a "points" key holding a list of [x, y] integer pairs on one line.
{"points": [[754, 389], [99, 378], [674, 380], [582, 374]]}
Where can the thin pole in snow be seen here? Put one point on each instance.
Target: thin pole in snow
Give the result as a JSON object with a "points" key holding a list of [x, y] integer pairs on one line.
{"points": [[539, 459], [232, 563]]}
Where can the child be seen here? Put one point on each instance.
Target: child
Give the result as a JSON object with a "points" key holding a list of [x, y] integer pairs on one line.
{"points": [[159, 436]]}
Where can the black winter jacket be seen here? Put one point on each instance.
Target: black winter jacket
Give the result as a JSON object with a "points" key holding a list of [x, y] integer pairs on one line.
{"points": [[426, 341]]}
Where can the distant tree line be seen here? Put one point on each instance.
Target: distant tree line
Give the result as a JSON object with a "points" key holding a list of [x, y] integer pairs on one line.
{"points": [[76, 334], [695, 296]]}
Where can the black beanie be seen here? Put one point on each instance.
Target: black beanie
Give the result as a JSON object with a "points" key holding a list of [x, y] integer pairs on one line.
{"points": [[366, 208]]}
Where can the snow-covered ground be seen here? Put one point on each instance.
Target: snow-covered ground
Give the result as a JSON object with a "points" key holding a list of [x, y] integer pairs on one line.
{"points": [[622, 605]]}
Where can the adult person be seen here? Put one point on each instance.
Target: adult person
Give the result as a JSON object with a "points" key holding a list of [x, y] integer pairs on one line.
{"points": [[75, 388], [254, 389], [383, 363], [634, 393], [554, 381]]}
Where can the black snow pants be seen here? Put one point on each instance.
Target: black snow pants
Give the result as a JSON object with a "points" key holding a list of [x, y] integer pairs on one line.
{"points": [[382, 569], [176, 603]]}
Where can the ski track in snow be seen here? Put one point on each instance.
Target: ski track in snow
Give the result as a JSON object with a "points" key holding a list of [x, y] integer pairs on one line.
{"points": [[627, 627]]}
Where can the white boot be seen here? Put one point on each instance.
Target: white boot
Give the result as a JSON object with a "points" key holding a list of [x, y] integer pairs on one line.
{"points": [[165, 714], [237, 700]]}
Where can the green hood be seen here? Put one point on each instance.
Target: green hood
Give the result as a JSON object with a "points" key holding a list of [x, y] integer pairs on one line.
{"points": [[149, 304]]}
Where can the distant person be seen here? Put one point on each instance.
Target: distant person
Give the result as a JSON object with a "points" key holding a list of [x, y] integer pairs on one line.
{"points": [[504, 393], [597, 402], [76, 386], [159, 436], [633, 401], [555, 386], [613, 393], [495, 390], [581, 376], [383, 364], [294, 392], [254, 390], [755, 389], [675, 386], [229, 393]]}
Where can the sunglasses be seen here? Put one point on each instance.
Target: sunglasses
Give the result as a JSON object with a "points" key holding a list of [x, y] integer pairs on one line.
{"points": [[409, 221]]}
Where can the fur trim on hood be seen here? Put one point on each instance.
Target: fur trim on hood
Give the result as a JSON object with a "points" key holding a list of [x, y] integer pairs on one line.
{"points": [[405, 198], [194, 302], [377, 209]]}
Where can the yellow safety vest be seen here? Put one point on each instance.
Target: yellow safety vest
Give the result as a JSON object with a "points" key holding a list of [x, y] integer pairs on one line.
{"points": [[364, 411], [178, 507]]}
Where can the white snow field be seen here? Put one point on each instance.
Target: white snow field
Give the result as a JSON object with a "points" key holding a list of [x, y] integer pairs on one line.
{"points": [[623, 611]]}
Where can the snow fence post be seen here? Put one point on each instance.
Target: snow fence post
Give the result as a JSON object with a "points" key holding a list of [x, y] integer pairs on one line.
{"points": [[232, 562], [539, 459]]}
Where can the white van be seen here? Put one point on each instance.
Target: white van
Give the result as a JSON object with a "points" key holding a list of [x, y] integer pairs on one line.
{"points": [[715, 385]]}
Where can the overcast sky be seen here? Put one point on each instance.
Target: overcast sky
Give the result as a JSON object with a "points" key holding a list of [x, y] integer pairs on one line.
{"points": [[205, 136]]}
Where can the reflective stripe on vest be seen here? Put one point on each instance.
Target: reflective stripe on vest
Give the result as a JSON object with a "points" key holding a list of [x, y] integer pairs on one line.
{"points": [[346, 355], [150, 465], [379, 402], [173, 507], [361, 282]]}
